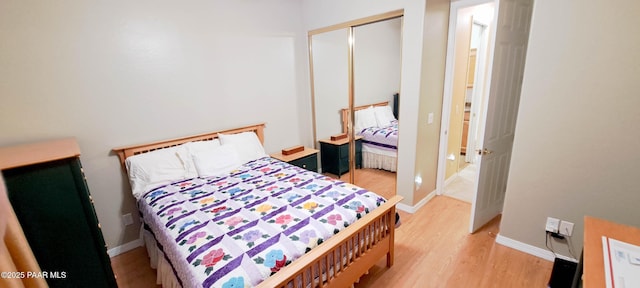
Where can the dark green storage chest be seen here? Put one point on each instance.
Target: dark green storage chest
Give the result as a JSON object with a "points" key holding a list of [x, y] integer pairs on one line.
{"points": [[52, 203], [335, 156]]}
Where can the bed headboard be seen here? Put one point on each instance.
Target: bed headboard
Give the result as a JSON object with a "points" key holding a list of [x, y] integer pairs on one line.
{"points": [[128, 151], [345, 113], [396, 105]]}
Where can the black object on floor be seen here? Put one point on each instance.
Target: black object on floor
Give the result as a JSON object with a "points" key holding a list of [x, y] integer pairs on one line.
{"points": [[398, 223], [562, 273]]}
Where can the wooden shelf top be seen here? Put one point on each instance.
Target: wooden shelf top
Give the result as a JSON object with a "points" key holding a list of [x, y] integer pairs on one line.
{"points": [[286, 158], [338, 142], [39, 152]]}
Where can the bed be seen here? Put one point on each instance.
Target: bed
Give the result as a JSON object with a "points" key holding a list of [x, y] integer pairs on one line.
{"points": [[378, 125], [261, 223]]}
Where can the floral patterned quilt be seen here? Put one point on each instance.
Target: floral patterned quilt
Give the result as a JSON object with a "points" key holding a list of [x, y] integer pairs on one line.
{"points": [[236, 230], [384, 137]]}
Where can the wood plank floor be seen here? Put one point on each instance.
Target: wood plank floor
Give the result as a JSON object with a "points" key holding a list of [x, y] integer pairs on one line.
{"points": [[433, 249], [379, 181], [133, 270]]}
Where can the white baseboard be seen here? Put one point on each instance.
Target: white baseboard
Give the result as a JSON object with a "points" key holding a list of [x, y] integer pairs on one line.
{"points": [[115, 251], [414, 208], [532, 250]]}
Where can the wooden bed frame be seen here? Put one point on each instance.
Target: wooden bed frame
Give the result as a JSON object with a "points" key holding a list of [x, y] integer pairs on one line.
{"points": [[359, 246], [345, 113]]}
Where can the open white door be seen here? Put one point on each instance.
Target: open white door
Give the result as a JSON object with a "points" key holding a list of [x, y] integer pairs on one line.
{"points": [[505, 76]]}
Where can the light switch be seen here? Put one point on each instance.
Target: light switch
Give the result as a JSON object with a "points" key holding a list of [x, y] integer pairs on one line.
{"points": [[430, 118]]}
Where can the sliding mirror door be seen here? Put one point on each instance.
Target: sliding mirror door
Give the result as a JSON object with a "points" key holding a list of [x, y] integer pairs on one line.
{"points": [[330, 82], [370, 67], [377, 63], [330, 66]]}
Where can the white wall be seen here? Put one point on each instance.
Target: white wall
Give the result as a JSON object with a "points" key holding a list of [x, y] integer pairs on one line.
{"points": [[114, 73], [324, 13], [436, 28], [575, 151]]}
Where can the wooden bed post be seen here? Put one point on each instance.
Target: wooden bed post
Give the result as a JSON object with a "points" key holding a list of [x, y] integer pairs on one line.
{"points": [[392, 223]]}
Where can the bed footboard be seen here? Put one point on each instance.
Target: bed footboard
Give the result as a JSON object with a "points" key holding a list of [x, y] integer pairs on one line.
{"points": [[343, 258]]}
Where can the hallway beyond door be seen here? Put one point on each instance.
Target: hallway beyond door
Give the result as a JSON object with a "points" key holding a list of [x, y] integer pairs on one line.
{"points": [[462, 187]]}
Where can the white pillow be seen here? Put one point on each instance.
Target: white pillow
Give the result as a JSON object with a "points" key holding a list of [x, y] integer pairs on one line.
{"points": [[384, 115], [215, 162], [365, 118], [194, 148], [246, 144], [156, 168], [199, 146]]}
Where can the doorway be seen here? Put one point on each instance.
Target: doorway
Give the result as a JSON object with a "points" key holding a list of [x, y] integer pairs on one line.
{"points": [[469, 71], [506, 55]]}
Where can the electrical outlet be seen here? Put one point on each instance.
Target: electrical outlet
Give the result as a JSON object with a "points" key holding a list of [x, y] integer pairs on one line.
{"points": [[127, 219], [566, 228], [553, 225]]}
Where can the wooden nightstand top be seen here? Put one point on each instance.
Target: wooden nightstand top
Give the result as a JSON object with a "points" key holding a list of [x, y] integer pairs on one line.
{"points": [[287, 158], [40, 152], [338, 142]]}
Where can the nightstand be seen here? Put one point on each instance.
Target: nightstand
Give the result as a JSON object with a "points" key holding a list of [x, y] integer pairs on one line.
{"points": [[335, 155], [307, 159]]}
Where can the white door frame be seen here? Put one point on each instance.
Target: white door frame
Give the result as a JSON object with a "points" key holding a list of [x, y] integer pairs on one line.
{"points": [[448, 87]]}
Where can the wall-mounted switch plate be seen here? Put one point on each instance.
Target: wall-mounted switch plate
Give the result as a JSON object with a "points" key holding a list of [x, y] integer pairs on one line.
{"points": [[553, 225], [127, 219], [566, 228], [430, 118]]}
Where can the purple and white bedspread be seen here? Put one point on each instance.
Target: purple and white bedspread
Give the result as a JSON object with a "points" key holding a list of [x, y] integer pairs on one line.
{"points": [[236, 230], [385, 137]]}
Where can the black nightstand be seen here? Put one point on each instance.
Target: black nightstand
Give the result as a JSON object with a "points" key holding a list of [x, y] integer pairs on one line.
{"points": [[335, 155], [307, 159]]}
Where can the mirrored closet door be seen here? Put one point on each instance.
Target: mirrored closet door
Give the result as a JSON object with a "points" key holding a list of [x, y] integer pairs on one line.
{"points": [[356, 67], [330, 67]]}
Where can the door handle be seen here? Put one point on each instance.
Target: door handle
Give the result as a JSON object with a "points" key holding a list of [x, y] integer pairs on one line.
{"points": [[484, 151]]}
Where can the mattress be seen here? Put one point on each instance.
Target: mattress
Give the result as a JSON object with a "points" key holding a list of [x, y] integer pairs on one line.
{"points": [[238, 229]]}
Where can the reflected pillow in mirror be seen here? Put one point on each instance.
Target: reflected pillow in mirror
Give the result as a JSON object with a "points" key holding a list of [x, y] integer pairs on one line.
{"points": [[384, 115], [365, 118]]}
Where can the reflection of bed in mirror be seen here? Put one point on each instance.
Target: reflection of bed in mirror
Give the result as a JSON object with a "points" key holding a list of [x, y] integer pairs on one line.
{"points": [[378, 126]]}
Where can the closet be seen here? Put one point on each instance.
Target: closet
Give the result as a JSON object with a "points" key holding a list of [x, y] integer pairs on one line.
{"points": [[356, 63]]}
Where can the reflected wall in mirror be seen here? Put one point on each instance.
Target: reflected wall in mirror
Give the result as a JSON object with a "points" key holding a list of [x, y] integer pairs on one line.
{"points": [[377, 61], [375, 79], [330, 80]]}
